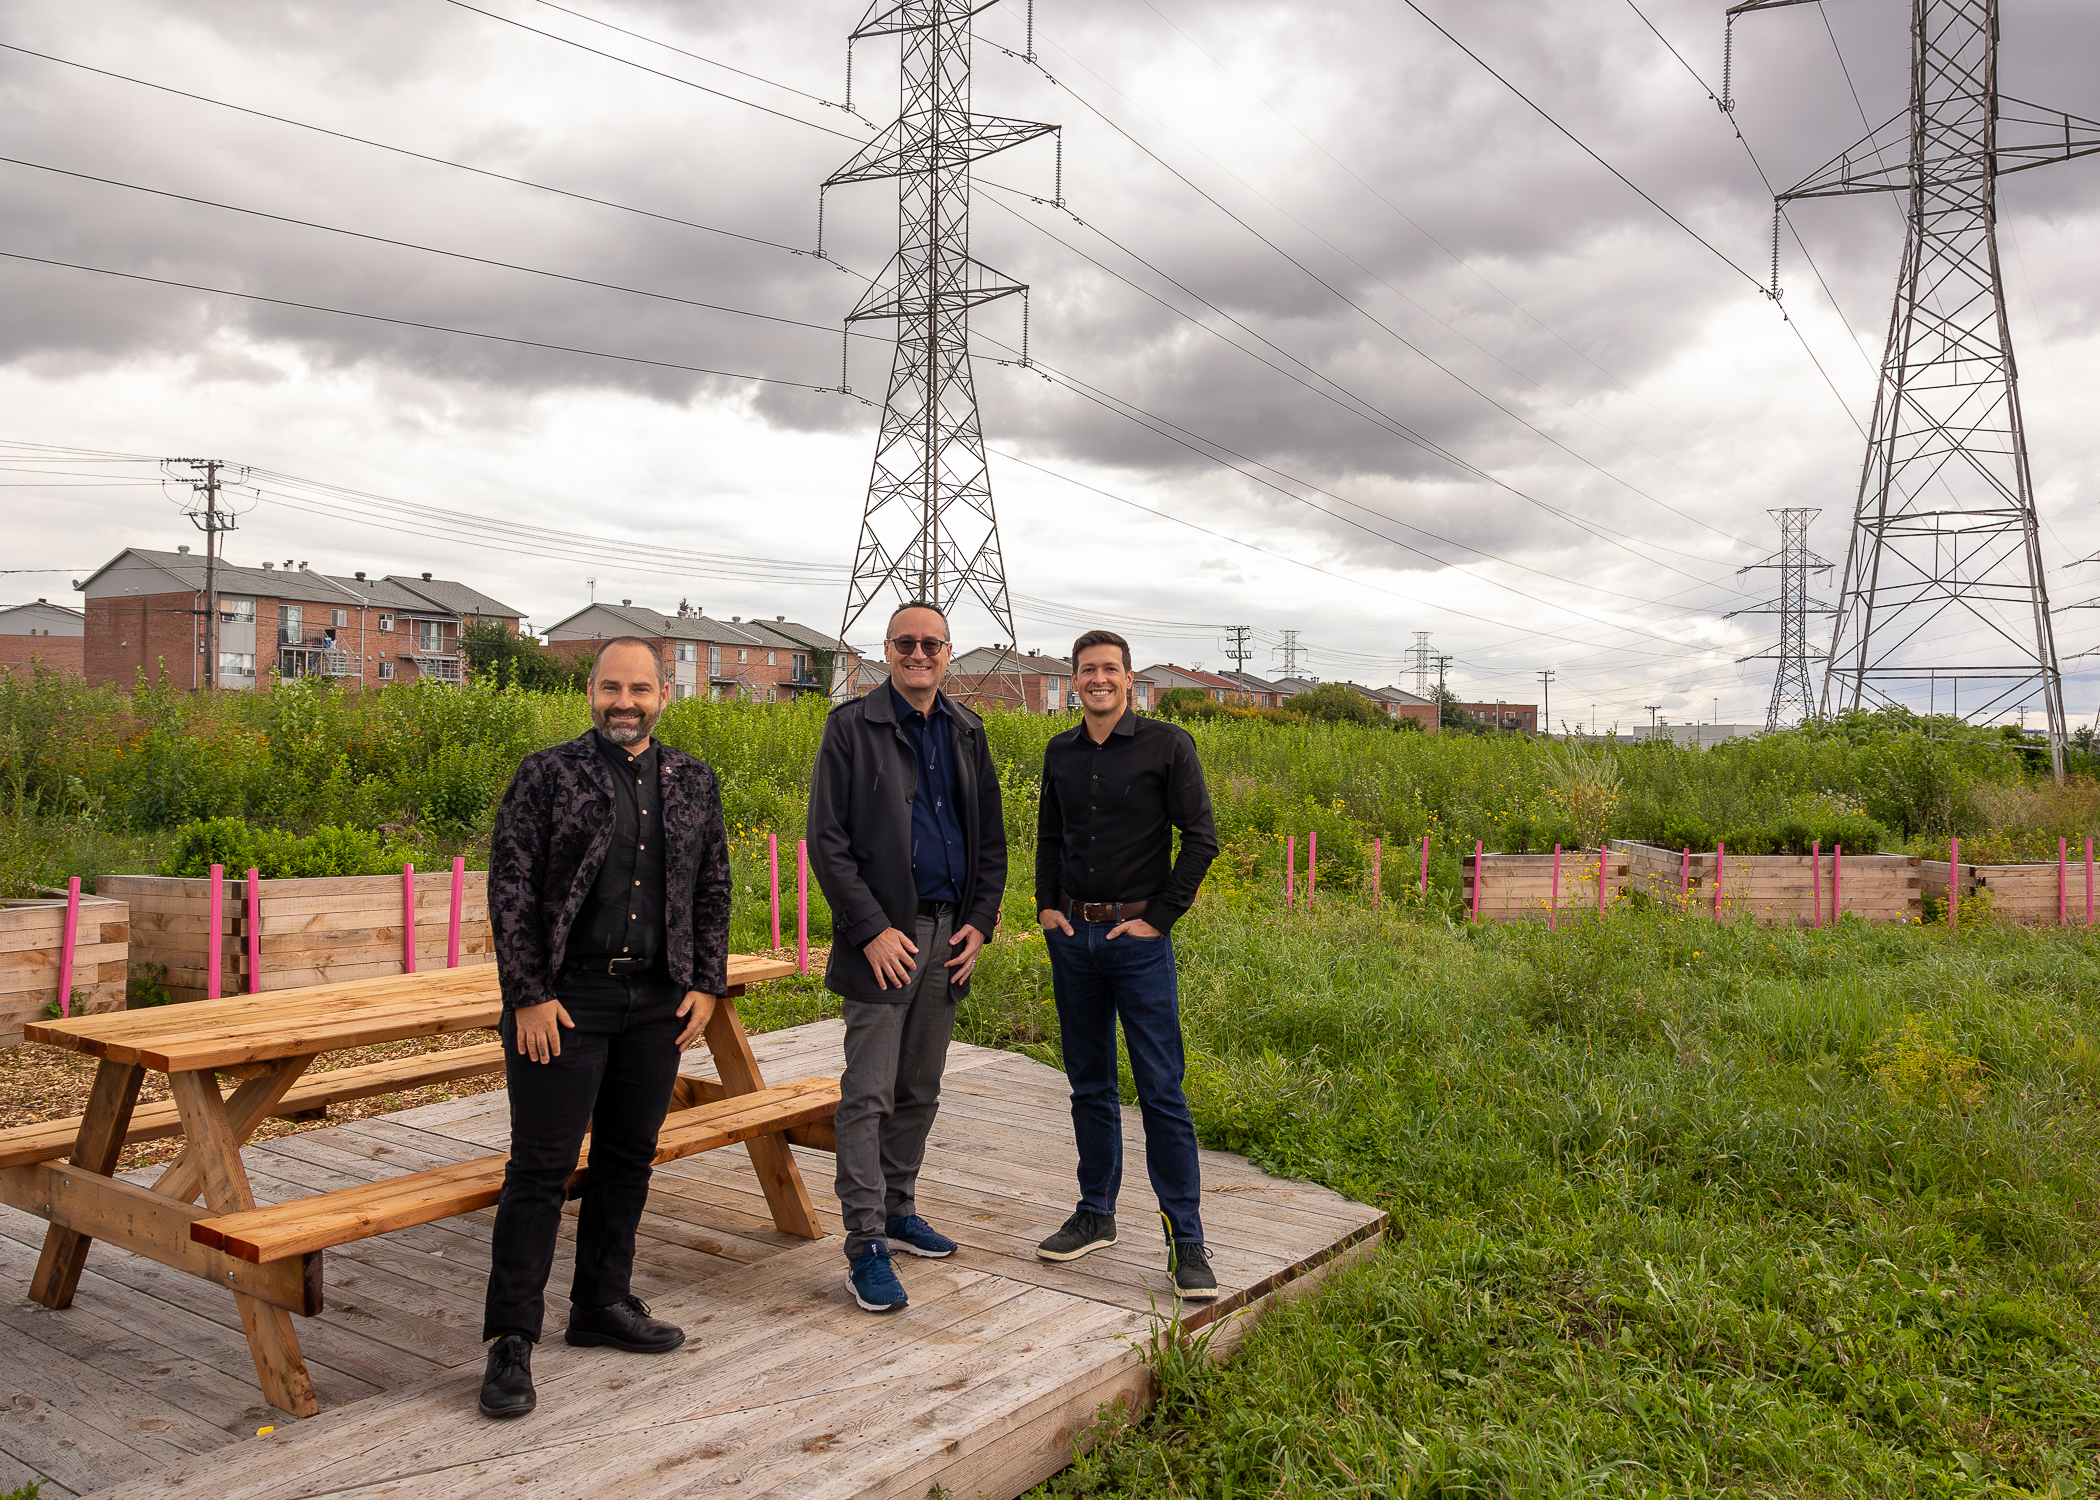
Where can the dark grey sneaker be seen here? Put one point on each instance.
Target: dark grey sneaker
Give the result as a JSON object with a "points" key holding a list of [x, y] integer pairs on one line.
{"points": [[1194, 1280], [1082, 1234]]}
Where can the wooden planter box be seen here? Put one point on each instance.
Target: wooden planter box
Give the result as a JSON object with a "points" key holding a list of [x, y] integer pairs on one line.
{"points": [[2039, 895], [1520, 887], [32, 939], [311, 932], [1781, 890]]}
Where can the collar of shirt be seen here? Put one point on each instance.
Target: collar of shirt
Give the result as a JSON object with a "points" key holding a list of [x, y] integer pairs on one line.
{"points": [[906, 712], [622, 758], [1125, 726]]}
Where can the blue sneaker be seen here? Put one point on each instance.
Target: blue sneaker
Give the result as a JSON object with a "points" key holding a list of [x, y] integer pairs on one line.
{"points": [[920, 1238], [875, 1285]]}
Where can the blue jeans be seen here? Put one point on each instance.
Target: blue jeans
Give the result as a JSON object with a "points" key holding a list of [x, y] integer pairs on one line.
{"points": [[1096, 981]]}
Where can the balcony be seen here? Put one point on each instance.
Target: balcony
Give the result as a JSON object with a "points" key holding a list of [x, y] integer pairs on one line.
{"points": [[319, 657]]}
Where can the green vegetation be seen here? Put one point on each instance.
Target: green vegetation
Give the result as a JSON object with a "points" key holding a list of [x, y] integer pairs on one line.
{"points": [[1679, 1207]]}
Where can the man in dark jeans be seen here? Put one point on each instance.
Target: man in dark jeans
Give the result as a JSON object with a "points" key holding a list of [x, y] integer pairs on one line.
{"points": [[609, 897], [1109, 888], [908, 842]]}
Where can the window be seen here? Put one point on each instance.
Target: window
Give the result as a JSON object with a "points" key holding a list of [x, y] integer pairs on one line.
{"points": [[232, 611], [685, 651], [339, 618], [798, 667], [386, 671], [430, 636], [743, 657], [291, 624], [714, 661], [386, 624], [236, 664], [772, 695], [772, 658]]}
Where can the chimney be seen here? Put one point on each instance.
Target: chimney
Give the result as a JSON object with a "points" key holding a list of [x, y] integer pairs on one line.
{"points": [[288, 565], [266, 565], [627, 601], [302, 567], [184, 549], [780, 617], [426, 578], [360, 575]]}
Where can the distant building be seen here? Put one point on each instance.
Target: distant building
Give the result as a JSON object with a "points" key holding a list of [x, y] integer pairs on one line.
{"points": [[1260, 694], [987, 678], [1288, 688], [1521, 717], [768, 661], [147, 613], [1166, 677], [42, 634], [1399, 704]]}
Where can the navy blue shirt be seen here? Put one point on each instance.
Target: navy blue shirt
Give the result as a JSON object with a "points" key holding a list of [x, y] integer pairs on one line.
{"points": [[936, 825]]}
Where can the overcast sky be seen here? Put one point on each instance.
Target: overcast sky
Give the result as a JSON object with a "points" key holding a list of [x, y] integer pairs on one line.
{"points": [[1380, 259]]}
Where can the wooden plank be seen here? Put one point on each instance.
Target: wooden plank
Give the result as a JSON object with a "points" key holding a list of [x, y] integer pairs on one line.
{"points": [[771, 1157], [338, 1218], [133, 1219], [96, 1148], [248, 1106], [215, 1151]]}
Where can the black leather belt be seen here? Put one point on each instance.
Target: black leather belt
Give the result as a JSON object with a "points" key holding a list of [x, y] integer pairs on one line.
{"points": [[1104, 911], [936, 909], [622, 966]]}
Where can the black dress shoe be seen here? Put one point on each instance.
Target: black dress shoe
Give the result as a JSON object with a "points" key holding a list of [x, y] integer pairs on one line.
{"points": [[506, 1390], [625, 1325]]}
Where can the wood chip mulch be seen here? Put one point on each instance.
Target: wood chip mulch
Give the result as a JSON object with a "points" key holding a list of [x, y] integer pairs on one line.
{"points": [[47, 1083]]}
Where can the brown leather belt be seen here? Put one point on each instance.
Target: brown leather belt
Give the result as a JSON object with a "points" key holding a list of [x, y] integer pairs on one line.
{"points": [[1103, 911]]}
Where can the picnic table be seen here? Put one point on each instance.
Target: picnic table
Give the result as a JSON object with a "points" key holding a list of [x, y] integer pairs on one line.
{"points": [[269, 1258]]}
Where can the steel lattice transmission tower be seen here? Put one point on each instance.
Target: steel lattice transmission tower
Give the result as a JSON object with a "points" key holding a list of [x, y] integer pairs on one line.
{"points": [[1793, 699], [928, 529], [1942, 582]]}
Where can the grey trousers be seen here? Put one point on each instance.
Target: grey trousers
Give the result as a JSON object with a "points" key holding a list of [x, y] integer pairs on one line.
{"points": [[891, 1090]]}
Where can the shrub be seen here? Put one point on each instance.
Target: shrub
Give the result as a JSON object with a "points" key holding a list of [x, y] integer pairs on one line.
{"points": [[275, 854]]}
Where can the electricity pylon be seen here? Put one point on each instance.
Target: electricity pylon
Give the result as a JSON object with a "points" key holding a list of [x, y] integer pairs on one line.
{"points": [[1420, 652], [1943, 574], [928, 529], [1792, 698]]}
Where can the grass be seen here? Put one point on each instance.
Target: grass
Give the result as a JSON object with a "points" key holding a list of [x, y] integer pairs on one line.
{"points": [[1678, 1208]]}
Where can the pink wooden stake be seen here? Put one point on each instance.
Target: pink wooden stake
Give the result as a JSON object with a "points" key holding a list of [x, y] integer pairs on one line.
{"points": [[1377, 846], [1478, 875], [773, 881], [1312, 866], [214, 952], [1815, 858], [1837, 881], [801, 906], [71, 941], [254, 903], [2088, 882], [1953, 881], [1603, 875], [1553, 911], [1720, 855], [408, 919], [2063, 885], [1425, 864], [1684, 892], [459, 903], [1290, 872]]}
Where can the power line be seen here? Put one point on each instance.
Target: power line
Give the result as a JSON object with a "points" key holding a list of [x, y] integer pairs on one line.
{"points": [[695, 56], [657, 72], [471, 333]]}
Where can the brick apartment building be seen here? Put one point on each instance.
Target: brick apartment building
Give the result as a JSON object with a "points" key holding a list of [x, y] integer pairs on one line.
{"points": [[41, 634], [766, 660], [1398, 704], [147, 613], [975, 680], [1520, 717], [1219, 689]]}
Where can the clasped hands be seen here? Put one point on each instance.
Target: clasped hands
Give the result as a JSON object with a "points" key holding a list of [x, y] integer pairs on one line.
{"points": [[539, 1026]]}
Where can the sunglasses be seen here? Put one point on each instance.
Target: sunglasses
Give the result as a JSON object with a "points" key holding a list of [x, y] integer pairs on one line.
{"points": [[908, 645]]}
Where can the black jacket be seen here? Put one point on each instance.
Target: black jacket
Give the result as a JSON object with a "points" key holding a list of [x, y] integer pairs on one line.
{"points": [[552, 830], [860, 835]]}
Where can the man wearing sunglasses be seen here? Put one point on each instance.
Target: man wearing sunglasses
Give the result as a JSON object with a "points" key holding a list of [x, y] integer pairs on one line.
{"points": [[908, 842]]}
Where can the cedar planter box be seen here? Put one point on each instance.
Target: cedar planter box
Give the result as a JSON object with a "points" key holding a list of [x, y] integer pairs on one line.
{"points": [[1520, 887], [2038, 895], [32, 940], [1781, 890], [317, 931]]}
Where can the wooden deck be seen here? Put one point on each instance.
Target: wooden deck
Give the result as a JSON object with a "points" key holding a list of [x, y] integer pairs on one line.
{"points": [[144, 1387]]}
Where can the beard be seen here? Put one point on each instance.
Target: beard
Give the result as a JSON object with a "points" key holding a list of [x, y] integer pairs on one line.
{"points": [[626, 730]]}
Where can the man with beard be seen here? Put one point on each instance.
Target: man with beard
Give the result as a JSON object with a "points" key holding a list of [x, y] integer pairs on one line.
{"points": [[609, 899]]}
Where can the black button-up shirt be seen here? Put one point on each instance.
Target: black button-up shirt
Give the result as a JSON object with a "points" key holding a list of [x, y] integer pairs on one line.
{"points": [[936, 823], [1105, 826], [624, 917]]}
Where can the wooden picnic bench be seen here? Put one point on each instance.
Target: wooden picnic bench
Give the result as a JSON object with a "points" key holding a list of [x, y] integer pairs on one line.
{"points": [[270, 1257]]}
